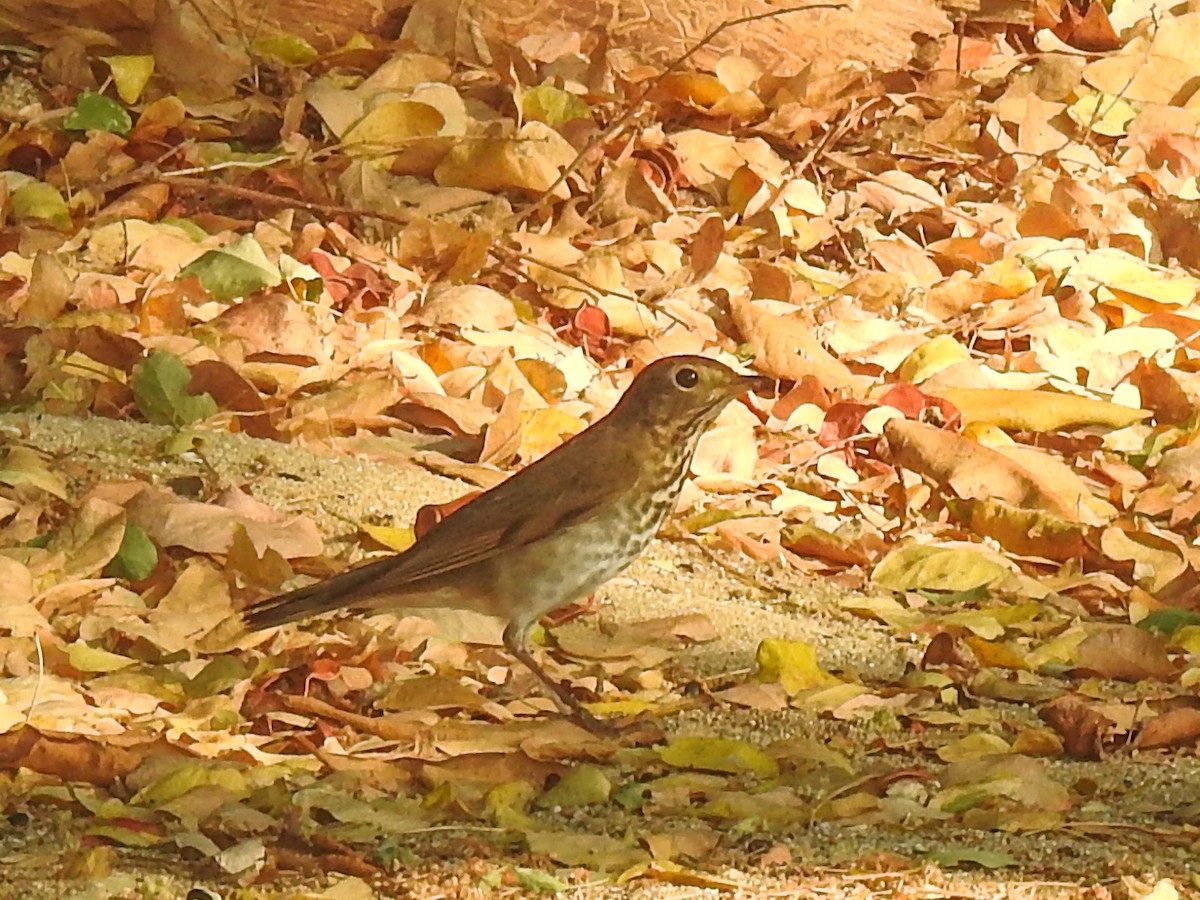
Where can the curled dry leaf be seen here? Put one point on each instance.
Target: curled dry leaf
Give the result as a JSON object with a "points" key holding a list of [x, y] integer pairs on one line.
{"points": [[973, 471], [1081, 728], [786, 347], [1175, 728]]}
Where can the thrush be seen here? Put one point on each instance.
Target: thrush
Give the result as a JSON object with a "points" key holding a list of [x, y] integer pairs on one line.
{"points": [[553, 532]]}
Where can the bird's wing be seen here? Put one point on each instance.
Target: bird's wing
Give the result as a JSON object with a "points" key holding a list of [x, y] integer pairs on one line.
{"points": [[462, 540], [496, 522]]}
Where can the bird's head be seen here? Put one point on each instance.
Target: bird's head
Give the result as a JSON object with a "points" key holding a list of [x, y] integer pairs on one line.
{"points": [[682, 394]]}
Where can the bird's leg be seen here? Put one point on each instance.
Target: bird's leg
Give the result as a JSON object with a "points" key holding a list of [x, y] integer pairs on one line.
{"points": [[516, 641]]}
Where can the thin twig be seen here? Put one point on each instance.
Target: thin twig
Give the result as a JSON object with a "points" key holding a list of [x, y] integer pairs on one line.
{"points": [[37, 685]]}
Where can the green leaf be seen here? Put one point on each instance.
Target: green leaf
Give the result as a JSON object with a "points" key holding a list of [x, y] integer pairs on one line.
{"points": [[95, 112], [584, 785], [631, 795], [187, 226], [955, 857], [542, 882], [160, 391], [967, 799], [285, 49], [552, 105], [221, 673], [293, 270], [1168, 621], [235, 270], [38, 200], [95, 659], [137, 557]]}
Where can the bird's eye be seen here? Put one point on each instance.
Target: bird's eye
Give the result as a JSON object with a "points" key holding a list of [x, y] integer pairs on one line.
{"points": [[687, 377]]}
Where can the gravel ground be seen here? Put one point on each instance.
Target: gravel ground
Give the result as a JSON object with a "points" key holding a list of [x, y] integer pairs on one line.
{"points": [[1120, 845]]}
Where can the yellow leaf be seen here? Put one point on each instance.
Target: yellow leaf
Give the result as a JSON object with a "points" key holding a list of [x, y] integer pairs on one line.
{"points": [[584, 785], [1058, 651], [130, 74], [693, 87], [545, 429], [1038, 410], [39, 200], [917, 567], [507, 803], [1025, 532], [1010, 275], [1038, 742], [1103, 114], [932, 356], [973, 746], [979, 621], [94, 659], [530, 162], [188, 777], [613, 708], [391, 124], [793, 664], [24, 466], [717, 755], [990, 653], [398, 539], [1188, 637], [288, 49]]}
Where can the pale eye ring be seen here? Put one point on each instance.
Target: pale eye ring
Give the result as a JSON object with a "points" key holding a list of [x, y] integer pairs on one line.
{"points": [[687, 378]]}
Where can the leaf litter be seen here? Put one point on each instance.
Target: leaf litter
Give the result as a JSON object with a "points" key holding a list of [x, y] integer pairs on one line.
{"points": [[972, 278]]}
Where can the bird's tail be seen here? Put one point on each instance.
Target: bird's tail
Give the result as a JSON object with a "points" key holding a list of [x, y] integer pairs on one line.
{"points": [[337, 592]]}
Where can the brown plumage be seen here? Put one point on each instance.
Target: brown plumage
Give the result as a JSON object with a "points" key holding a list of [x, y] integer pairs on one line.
{"points": [[556, 530]]}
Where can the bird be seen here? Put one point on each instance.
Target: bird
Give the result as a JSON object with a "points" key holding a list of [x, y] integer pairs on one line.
{"points": [[554, 531]]}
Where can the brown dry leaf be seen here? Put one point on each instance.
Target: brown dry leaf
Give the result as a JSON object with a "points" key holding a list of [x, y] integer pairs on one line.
{"points": [[23, 466], [727, 455], [1175, 728], [273, 323], [1152, 69], [850, 273], [1081, 728], [197, 605], [971, 470], [1026, 532], [598, 851], [91, 539], [1157, 557], [755, 696], [1021, 779], [345, 406], [809, 541], [467, 306], [785, 346], [1126, 653], [205, 528], [71, 759], [695, 844]]}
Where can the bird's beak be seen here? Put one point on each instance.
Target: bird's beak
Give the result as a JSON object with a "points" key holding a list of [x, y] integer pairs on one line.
{"points": [[753, 383]]}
